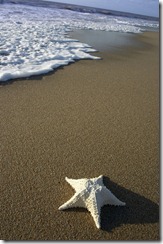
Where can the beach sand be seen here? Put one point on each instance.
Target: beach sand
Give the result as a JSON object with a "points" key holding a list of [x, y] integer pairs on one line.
{"points": [[86, 119]]}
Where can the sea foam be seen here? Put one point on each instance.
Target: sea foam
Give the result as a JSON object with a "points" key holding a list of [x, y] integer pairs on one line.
{"points": [[34, 40]]}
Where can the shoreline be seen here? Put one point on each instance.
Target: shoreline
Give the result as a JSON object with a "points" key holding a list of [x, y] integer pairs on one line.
{"points": [[86, 119], [107, 42]]}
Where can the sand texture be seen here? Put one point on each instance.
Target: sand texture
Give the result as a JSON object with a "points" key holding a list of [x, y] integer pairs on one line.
{"points": [[86, 119]]}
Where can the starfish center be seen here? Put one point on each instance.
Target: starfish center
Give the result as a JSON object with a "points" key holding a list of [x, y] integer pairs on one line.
{"points": [[92, 186]]}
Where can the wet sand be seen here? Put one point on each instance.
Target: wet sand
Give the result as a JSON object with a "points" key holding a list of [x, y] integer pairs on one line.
{"points": [[89, 118], [106, 40]]}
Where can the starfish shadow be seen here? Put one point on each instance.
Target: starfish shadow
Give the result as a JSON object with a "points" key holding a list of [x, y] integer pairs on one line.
{"points": [[138, 209]]}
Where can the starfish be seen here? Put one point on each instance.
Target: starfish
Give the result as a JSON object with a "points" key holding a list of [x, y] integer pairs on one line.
{"points": [[92, 195]]}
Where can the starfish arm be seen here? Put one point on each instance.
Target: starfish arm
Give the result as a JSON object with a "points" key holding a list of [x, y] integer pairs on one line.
{"points": [[99, 180], [110, 198], [93, 205], [78, 184], [75, 201]]}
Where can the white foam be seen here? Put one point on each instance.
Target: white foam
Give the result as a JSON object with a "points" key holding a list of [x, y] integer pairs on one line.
{"points": [[34, 40]]}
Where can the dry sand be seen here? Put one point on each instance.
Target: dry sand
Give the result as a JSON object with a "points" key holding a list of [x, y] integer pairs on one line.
{"points": [[86, 119]]}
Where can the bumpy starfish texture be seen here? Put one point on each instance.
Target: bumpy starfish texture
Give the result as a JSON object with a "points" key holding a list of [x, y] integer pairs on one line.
{"points": [[92, 195]]}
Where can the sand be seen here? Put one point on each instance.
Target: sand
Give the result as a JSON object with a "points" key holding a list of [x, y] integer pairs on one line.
{"points": [[89, 118]]}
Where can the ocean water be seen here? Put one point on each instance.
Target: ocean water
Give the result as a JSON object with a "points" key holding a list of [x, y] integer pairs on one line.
{"points": [[34, 40]]}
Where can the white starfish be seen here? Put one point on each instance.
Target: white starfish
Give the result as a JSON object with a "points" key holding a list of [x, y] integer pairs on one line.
{"points": [[91, 194]]}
